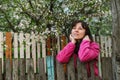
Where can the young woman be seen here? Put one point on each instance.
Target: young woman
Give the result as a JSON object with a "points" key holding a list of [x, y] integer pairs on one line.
{"points": [[81, 45]]}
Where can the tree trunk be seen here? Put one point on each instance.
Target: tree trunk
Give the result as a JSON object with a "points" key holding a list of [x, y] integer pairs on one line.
{"points": [[115, 8]]}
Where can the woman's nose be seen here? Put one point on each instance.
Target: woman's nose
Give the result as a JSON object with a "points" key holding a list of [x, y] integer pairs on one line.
{"points": [[76, 30]]}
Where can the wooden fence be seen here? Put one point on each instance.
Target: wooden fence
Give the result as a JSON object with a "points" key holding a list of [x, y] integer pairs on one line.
{"points": [[32, 57]]}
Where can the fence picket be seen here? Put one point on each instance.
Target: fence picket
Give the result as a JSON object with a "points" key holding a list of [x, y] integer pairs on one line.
{"points": [[26, 68], [1, 49], [15, 44], [22, 42], [58, 43], [50, 67], [63, 43], [38, 47], [48, 45], [109, 46], [28, 44], [106, 45], [8, 45], [99, 57], [44, 50], [34, 50], [102, 46]]}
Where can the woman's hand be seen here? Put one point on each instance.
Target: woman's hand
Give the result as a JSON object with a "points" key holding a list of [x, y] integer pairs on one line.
{"points": [[72, 39], [86, 38]]}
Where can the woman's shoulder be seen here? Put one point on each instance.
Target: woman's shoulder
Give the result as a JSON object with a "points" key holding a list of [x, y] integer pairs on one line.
{"points": [[94, 43], [90, 42]]}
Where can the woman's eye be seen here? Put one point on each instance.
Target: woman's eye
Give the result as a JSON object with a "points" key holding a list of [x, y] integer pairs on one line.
{"points": [[80, 28]]}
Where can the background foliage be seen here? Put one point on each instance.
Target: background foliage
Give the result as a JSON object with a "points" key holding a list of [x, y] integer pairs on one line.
{"points": [[54, 16]]}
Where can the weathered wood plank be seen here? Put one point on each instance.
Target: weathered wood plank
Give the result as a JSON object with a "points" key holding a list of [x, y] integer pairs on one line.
{"points": [[50, 67], [102, 45], [30, 69], [1, 50], [99, 57], [54, 45], [110, 46], [22, 69], [34, 50], [8, 69], [43, 50], [71, 70], [107, 68], [63, 43], [15, 69], [93, 37], [21, 41], [8, 45], [82, 72], [60, 71], [38, 47], [93, 77], [58, 43], [106, 49], [41, 70], [48, 45], [28, 44], [1, 77], [15, 45]]}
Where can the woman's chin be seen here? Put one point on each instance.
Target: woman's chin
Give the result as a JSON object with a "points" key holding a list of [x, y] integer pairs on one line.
{"points": [[77, 38]]}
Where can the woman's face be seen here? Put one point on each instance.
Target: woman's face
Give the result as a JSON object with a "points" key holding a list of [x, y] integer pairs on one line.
{"points": [[78, 32]]}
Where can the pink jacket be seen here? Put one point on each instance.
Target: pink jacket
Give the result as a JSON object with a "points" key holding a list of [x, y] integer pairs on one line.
{"points": [[88, 51]]}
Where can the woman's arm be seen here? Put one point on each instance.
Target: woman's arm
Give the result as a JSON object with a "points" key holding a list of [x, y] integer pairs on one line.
{"points": [[88, 51], [64, 55]]}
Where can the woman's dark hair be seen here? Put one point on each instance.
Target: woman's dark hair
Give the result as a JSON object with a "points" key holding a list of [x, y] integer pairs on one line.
{"points": [[87, 32]]}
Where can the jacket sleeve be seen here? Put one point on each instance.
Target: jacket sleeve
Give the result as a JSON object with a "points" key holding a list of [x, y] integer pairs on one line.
{"points": [[88, 51], [64, 55]]}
